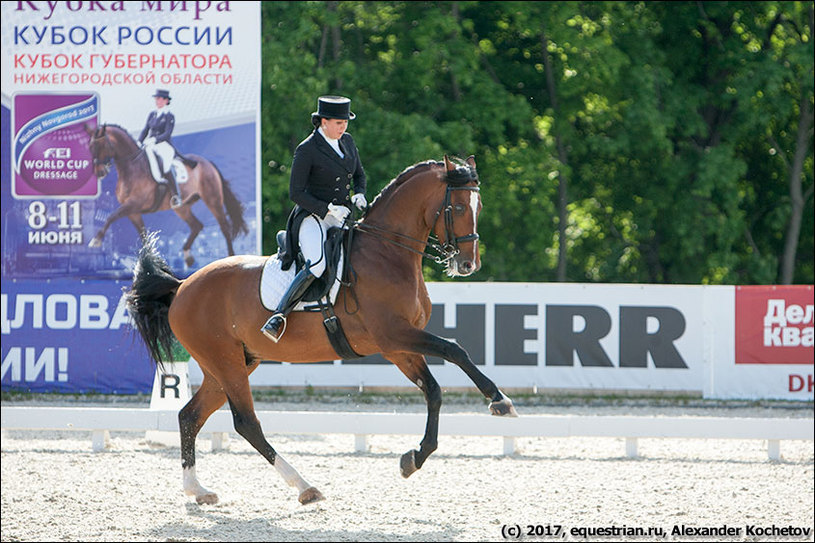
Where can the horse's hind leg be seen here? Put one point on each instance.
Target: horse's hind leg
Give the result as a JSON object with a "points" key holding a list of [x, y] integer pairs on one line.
{"points": [[248, 426], [226, 228], [191, 418], [415, 368]]}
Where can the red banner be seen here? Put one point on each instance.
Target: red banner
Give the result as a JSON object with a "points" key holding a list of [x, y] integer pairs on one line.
{"points": [[774, 324]]}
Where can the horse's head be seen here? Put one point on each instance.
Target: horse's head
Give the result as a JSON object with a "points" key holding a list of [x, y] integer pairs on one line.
{"points": [[102, 150], [456, 222]]}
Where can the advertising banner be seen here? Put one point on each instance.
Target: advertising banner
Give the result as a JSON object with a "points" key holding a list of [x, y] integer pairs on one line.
{"points": [[109, 109], [558, 336], [773, 353], [774, 325], [72, 336], [598, 337]]}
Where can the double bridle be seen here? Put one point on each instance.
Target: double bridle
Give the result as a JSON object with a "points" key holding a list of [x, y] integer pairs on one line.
{"points": [[446, 250], [107, 163]]}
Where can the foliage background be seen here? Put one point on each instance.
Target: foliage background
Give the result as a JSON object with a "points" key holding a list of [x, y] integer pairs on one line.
{"points": [[660, 142]]}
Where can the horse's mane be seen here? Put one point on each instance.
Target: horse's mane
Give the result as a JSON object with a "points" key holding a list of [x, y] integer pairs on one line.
{"points": [[462, 174], [406, 174], [111, 125]]}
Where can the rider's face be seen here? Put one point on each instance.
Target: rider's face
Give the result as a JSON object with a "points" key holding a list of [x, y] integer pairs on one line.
{"points": [[334, 128], [161, 102]]}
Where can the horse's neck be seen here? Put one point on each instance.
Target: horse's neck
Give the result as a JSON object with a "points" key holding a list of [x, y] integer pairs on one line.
{"points": [[128, 159], [405, 211]]}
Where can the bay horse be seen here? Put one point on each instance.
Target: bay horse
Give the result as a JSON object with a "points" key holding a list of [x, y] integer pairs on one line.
{"points": [[138, 193], [216, 313]]}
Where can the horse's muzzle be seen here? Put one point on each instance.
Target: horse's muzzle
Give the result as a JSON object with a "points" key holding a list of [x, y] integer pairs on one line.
{"points": [[462, 267]]}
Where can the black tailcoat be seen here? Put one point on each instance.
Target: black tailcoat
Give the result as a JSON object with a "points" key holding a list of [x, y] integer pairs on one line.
{"points": [[160, 128], [319, 176]]}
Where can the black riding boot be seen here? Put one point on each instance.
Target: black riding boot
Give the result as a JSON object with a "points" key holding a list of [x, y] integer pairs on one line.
{"points": [[276, 325], [175, 199]]}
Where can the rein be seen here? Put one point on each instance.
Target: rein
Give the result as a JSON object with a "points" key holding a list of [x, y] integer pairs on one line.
{"points": [[447, 250]]}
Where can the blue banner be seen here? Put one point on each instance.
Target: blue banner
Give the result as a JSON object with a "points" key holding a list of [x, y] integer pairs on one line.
{"points": [[66, 335]]}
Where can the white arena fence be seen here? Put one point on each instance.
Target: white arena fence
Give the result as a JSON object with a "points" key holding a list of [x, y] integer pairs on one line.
{"points": [[101, 421]]}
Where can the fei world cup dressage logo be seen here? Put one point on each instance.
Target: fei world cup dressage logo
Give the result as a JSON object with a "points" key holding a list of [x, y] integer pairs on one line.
{"points": [[51, 154]]}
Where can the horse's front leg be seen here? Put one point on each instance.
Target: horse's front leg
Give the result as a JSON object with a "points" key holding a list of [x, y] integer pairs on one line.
{"points": [[415, 368], [431, 345], [128, 208]]}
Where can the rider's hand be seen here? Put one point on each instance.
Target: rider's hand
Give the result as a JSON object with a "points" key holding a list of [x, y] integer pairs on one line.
{"points": [[336, 214], [359, 201], [149, 141]]}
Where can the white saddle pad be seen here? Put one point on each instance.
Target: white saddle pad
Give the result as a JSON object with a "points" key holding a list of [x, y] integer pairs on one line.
{"points": [[274, 282], [179, 170]]}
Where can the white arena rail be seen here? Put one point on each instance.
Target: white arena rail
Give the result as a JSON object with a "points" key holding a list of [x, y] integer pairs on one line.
{"points": [[102, 420]]}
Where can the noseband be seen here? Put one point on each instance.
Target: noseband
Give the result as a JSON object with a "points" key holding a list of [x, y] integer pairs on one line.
{"points": [[449, 249]]}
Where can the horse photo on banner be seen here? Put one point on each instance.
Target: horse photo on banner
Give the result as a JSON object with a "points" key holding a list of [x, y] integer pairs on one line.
{"points": [[121, 119]]}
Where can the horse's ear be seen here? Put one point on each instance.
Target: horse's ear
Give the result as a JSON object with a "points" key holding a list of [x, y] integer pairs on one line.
{"points": [[448, 165], [471, 161], [88, 130]]}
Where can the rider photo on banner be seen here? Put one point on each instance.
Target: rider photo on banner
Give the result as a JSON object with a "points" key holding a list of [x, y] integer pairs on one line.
{"points": [[119, 120]]}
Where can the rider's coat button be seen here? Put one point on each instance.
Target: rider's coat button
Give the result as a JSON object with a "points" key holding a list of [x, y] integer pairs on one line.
{"points": [[337, 179]]}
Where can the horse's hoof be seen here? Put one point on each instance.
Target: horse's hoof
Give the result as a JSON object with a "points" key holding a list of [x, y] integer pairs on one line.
{"points": [[95, 242], [310, 495], [407, 464], [210, 498], [503, 408]]}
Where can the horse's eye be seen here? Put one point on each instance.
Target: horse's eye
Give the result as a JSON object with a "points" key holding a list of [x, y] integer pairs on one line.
{"points": [[460, 209]]}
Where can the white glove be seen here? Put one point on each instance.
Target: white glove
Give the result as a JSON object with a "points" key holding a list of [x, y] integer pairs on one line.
{"points": [[359, 201], [336, 215], [149, 141]]}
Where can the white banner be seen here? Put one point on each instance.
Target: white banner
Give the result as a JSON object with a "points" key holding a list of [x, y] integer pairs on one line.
{"points": [[610, 337]]}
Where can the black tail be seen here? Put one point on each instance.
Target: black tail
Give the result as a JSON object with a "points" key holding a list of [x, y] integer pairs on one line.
{"points": [[149, 298], [234, 208]]}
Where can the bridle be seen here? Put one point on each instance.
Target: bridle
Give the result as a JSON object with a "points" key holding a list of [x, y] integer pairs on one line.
{"points": [[447, 249], [107, 164]]}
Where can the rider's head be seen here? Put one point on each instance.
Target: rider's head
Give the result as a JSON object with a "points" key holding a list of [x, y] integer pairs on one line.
{"points": [[333, 114], [162, 97]]}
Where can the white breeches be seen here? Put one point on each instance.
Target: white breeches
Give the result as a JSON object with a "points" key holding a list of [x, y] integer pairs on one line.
{"points": [[164, 152], [312, 243]]}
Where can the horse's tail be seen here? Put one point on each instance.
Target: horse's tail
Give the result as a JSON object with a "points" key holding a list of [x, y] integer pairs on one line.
{"points": [[234, 207], [149, 298]]}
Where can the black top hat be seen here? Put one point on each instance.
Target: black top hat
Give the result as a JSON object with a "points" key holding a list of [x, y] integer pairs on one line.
{"points": [[162, 93], [334, 107]]}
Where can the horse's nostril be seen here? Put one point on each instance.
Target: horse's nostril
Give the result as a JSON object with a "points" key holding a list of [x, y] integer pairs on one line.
{"points": [[467, 267]]}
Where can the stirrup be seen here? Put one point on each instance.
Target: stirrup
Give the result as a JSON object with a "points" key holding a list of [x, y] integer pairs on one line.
{"points": [[269, 333]]}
